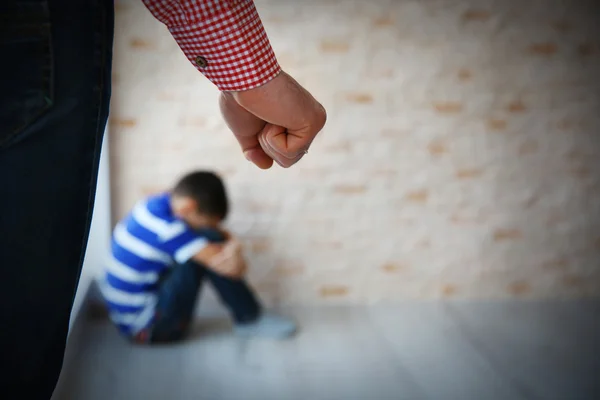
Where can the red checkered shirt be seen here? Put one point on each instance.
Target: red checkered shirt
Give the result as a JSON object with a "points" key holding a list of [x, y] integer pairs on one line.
{"points": [[223, 39]]}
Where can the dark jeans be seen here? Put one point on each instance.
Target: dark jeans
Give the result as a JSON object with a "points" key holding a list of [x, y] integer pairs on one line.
{"points": [[177, 294], [54, 94]]}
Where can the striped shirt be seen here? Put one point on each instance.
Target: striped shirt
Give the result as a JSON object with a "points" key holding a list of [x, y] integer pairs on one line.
{"points": [[144, 244]]}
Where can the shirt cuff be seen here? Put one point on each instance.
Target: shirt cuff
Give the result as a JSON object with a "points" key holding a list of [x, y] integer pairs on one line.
{"points": [[189, 250], [230, 47]]}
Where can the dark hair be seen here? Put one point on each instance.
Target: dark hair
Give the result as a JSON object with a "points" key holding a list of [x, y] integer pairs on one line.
{"points": [[207, 190]]}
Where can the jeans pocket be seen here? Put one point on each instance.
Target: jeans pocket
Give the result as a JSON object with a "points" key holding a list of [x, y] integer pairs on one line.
{"points": [[26, 86]]}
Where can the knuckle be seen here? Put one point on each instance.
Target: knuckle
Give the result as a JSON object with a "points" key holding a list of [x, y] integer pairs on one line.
{"points": [[320, 118]]}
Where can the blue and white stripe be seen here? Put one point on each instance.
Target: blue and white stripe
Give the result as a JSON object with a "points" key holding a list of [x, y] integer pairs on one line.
{"points": [[147, 242]]}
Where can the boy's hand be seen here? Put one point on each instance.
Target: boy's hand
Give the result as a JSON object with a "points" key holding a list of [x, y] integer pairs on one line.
{"points": [[230, 261]]}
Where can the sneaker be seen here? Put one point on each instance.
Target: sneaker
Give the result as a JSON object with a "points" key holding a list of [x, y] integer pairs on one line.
{"points": [[267, 325]]}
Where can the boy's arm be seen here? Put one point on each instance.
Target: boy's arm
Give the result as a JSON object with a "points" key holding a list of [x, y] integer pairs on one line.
{"points": [[207, 253], [225, 259]]}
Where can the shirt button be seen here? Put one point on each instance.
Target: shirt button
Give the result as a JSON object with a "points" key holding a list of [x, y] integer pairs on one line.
{"points": [[201, 62]]}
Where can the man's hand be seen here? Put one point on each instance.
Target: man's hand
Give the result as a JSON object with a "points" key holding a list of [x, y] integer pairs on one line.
{"points": [[230, 261], [274, 122]]}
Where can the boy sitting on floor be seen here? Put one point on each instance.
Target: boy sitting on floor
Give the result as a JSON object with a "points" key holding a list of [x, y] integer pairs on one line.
{"points": [[161, 253]]}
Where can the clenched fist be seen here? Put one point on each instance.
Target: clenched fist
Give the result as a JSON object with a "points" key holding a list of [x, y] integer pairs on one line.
{"points": [[274, 122]]}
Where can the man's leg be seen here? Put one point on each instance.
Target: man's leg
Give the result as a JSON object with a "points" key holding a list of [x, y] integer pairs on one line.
{"points": [[54, 95]]}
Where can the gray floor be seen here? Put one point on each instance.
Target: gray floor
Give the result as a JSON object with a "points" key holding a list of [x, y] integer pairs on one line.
{"points": [[446, 351]]}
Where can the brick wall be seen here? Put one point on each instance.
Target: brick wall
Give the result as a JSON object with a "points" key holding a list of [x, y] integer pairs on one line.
{"points": [[460, 159]]}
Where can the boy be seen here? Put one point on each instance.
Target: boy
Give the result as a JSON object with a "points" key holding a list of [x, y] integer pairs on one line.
{"points": [[161, 253]]}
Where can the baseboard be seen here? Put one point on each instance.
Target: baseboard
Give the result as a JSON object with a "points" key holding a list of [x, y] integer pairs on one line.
{"points": [[86, 303]]}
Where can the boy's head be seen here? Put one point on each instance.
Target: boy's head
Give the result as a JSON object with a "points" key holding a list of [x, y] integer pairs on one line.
{"points": [[200, 199]]}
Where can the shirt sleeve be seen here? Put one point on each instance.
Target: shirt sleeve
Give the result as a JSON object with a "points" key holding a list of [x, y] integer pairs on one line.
{"points": [[185, 245], [223, 39]]}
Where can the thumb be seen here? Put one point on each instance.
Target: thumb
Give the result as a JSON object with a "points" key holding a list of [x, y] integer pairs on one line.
{"points": [[254, 152]]}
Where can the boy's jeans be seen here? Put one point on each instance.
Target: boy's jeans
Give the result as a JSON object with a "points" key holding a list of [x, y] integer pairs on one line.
{"points": [[178, 292], [55, 71]]}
